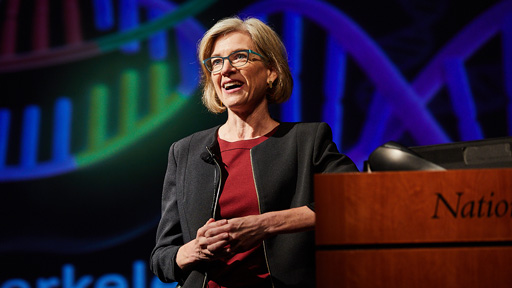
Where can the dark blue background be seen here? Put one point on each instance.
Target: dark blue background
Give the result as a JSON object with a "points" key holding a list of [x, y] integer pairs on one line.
{"points": [[101, 218]]}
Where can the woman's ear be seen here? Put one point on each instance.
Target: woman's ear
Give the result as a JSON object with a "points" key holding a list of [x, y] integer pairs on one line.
{"points": [[272, 75]]}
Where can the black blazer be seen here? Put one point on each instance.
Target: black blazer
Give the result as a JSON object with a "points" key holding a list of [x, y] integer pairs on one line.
{"points": [[283, 167]]}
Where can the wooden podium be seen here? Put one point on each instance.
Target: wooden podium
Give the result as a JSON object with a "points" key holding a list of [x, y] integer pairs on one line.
{"points": [[414, 229]]}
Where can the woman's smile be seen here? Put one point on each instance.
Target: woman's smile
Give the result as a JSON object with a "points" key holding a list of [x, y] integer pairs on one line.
{"points": [[232, 86]]}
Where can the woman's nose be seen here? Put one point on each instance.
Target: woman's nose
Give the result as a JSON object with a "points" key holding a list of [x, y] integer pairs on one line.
{"points": [[227, 68]]}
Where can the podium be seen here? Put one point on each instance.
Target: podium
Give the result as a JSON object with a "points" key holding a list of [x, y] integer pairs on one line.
{"points": [[414, 229]]}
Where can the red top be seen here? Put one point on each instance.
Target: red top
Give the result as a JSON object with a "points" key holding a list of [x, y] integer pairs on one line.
{"points": [[239, 198]]}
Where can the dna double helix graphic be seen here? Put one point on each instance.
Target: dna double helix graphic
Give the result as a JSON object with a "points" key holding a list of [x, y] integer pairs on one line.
{"points": [[395, 101], [164, 102], [397, 105]]}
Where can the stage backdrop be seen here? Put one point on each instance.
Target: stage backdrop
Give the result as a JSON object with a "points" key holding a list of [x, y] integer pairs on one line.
{"points": [[93, 93]]}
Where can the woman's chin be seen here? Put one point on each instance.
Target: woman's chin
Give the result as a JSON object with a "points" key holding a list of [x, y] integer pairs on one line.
{"points": [[233, 100]]}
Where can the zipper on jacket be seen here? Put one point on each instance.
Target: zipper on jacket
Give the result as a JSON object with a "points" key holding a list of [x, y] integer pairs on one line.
{"points": [[217, 181], [259, 208]]}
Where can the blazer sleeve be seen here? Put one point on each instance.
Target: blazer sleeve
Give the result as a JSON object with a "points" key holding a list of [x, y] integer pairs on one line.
{"points": [[169, 236], [326, 157]]}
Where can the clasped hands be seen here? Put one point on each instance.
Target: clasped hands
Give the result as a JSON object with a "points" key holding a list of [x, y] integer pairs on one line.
{"points": [[222, 239]]}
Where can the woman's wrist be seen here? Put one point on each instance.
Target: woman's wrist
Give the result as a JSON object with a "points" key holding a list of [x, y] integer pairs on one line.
{"points": [[289, 221], [185, 259]]}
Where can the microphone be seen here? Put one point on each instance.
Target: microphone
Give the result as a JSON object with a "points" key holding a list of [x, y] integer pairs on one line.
{"points": [[208, 158]]}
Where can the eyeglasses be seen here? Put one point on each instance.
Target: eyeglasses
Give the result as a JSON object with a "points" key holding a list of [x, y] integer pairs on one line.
{"points": [[236, 59]]}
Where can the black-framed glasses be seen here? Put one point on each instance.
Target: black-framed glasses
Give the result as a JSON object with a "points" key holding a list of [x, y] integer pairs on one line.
{"points": [[236, 59]]}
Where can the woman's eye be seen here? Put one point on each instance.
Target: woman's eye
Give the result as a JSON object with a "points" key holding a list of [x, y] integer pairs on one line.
{"points": [[240, 56], [216, 62]]}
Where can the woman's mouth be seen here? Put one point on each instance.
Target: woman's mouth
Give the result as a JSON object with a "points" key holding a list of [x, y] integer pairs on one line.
{"points": [[232, 85]]}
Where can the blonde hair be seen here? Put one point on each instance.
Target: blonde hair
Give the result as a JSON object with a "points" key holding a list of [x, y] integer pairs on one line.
{"points": [[267, 44]]}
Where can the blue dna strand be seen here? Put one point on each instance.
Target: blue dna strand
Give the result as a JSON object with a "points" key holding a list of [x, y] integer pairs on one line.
{"points": [[396, 102]]}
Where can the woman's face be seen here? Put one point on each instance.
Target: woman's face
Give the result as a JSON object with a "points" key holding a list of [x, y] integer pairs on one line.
{"points": [[241, 89]]}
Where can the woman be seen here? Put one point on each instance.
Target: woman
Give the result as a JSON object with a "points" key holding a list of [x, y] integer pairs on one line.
{"points": [[237, 205]]}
